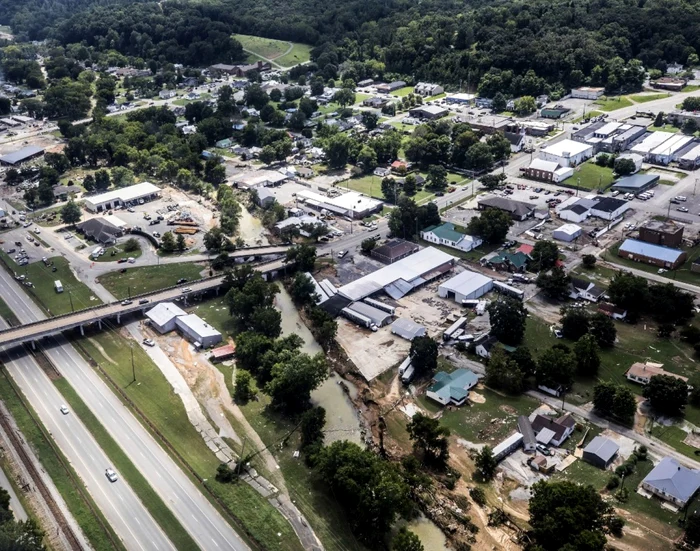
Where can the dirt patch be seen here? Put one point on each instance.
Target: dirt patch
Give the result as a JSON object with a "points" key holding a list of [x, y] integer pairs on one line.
{"points": [[510, 410], [476, 398], [692, 440]]}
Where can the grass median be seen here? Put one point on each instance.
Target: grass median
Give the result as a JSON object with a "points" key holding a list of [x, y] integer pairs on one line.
{"points": [[126, 469], [136, 281]]}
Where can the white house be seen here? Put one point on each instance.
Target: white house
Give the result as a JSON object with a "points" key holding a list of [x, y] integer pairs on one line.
{"points": [[452, 387], [428, 89], [567, 153], [167, 94], [446, 234]]}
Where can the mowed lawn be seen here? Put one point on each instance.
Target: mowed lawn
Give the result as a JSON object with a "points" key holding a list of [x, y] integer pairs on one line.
{"points": [[591, 176], [644, 98], [144, 279], [608, 104], [282, 52]]}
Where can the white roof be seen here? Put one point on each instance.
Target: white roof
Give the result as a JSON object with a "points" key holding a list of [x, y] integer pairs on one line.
{"points": [[137, 191], [466, 283], [350, 201], [608, 128], [541, 164], [408, 269], [692, 155], [569, 229], [566, 146], [632, 156], [115, 220], [652, 141], [200, 327], [164, 313], [670, 146], [259, 177]]}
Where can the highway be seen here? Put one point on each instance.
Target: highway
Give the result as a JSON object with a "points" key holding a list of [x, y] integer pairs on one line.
{"points": [[117, 501], [196, 514]]}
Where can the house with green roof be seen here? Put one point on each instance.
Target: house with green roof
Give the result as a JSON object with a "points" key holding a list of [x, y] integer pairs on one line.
{"points": [[452, 387], [446, 234], [511, 262]]}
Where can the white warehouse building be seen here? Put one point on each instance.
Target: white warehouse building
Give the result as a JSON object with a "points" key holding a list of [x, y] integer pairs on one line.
{"points": [[117, 197], [197, 330], [567, 153], [163, 316], [567, 232], [465, 286]]}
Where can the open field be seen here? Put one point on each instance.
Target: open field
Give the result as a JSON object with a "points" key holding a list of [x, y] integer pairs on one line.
{"points": [[123, 465], [82, 508], [287, 54], [307, 490], [608, 104], [644, 98], [591, 176], [215, 312], [43, 291], [148, 278], [665, 128], [155, 398]]}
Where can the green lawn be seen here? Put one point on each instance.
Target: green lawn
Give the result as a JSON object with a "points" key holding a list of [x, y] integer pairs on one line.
{"points": [[589, 115], [372, 186], [359, 98], [608, 104], [119, 253], [591, 176], [644, 98], [306, 489], [126, 469], [155, 398], [275, 50], [80, 504], [401, 92], [665, 128], [683, 273], [215, 312], [44, 293], [144, 279]]}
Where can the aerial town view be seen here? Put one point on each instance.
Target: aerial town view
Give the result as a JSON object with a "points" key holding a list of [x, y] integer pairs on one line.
{"points": [[360, 276]]}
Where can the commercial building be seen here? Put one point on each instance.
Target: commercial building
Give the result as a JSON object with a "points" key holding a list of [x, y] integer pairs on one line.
{"points": [[426, 89], [656, 255], [690, 157], [665, 233], [642, 373], [393, 251], [259, 178], [600, 452], [673, 482], [196, 330], [22, 155], [385, 88], [556, 112], [610, 208], [452, 388], [351, 204], [102, 231], [380, 318], [587, 92], [669, 83], [490, 124], [517, 209], [264, 197], [407, 329], [547, 171], [669, 150], [430, 112], [567, 232], [638, 160], [118, 197], [574, 209], [637, 183], [567, 153], [400, 278], [460, 98], [446, 234], [465, 286], [163, 316], [650, 142]]}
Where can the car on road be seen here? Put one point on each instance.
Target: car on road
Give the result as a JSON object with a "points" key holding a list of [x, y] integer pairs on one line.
{"points": [[149, 342], [63, 409], [341, 254], [111, 475], [144, 301], [126, 302], [121, 261], [682, 198], [682, 209], [37, 231], [186, 290]]}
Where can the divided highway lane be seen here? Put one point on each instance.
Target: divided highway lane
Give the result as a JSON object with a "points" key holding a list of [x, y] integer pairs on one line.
{"points": [[117, 501], [196, 514]]}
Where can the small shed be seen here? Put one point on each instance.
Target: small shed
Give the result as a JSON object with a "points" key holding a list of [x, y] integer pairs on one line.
{"points": [[600, 452], [407, 329]]}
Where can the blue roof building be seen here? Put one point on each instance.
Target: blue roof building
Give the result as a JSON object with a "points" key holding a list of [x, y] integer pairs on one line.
{"points": [[672, 482], [452, 387], [656, 255]]}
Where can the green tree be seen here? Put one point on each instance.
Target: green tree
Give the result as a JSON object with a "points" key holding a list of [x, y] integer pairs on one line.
{"points": [[555, 284], [369, 120], [499, 103], [344, 97], [409, 185], [503, 372], [405, 540], [294, 376], [337, 150], [367, 159], [491, 225], [525, 105], [660, 119], [167, 242], [544, 256], [629, 292], [430, 440], [102, 180], [588, 261], [692, 529], [132, 244], [566, 515], [324, 327], [486, 464], [508, 316], [368, 245], [479, 157], [424, 353], [437, 177], [390, 189], [244, 389], [71, 213], [312, 422], [575, 322], [603, 329], [180, 243], [587, 358], [302, 289], [624, 167], [493, 181], [555, 367], [667, 395], [303, 255]]}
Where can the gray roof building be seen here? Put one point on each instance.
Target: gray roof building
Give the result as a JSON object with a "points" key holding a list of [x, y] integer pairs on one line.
{"points": [[672, 481], [636, 183], [100, 230], [525, 428], [517, 209], [163, 316], [22, 155], [600, 451], [197, 330], [407, 329]]}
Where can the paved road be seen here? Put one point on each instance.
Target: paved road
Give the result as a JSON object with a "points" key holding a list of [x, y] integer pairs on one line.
{"points": [[196, 514], [117, 501]]}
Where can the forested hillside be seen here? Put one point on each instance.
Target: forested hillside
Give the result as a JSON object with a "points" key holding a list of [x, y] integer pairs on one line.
{"points": [[561, 42]]}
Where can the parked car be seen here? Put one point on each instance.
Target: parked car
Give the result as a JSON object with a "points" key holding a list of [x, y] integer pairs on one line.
{"points": [[682, 209], [143, 301], [126, 302], [558, 334], [544, 450], [341, 254]]}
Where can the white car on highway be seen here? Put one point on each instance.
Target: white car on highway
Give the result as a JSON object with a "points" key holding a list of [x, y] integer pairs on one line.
{"points": [[63, 409], [111, 475]]}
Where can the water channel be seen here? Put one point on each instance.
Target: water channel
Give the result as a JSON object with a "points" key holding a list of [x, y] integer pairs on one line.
{"points": [[251, 230]]}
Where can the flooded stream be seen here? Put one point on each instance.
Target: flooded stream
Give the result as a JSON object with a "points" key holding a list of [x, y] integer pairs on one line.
{"points": [[341, 419], [429, 534], [251, 230]]}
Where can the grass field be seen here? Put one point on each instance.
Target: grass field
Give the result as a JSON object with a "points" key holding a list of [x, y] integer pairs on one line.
{"points": [[608, 104], [126, 469], [215, 312], [148, 278], [119, 253], [644, 98], [43, 291], [683, 273], [665, 128], [307, 490], [591, 176], [401, 92], [286, 54], [93, 524], [154, 396]]}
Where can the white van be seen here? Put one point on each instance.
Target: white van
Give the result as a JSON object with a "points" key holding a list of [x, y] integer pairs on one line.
{"points": [[97, 252], [58, 286]]}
